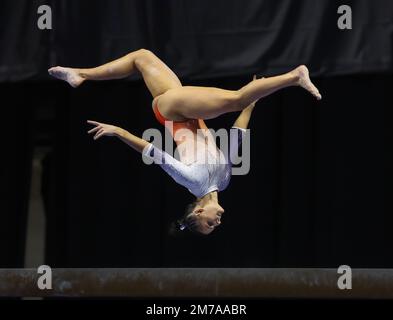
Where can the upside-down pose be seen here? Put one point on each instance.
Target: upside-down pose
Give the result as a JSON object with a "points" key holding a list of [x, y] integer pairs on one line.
{"points": [[185, 107]]}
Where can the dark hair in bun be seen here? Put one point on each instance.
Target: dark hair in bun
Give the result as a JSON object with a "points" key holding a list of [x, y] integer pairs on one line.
{"points": [[187, 222]]}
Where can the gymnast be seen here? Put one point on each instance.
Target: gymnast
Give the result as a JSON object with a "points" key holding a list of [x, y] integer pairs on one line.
{"points": [[180, 107]]}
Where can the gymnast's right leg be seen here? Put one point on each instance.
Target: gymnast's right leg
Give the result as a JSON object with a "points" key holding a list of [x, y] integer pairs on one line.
{"points": [[157, 75]]}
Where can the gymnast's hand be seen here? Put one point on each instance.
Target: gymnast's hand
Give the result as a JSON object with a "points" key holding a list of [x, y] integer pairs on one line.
{"points": [[102, 129]]}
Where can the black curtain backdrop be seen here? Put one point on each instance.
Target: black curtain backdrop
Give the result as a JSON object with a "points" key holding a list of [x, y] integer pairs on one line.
{"points": [[199, 39], [15, 170], [319, 190]]}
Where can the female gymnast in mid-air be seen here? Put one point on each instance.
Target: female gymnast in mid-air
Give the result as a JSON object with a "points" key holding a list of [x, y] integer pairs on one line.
{"points": [[185, 107]]}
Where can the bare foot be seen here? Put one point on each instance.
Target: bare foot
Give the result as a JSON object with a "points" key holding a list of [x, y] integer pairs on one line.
{"points": [[67, 74], [304, 81]]}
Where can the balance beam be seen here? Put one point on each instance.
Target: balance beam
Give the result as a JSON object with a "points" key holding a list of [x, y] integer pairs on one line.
{"points": [[197, 282]]}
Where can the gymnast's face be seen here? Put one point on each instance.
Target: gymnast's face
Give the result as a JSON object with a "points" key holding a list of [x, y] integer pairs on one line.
{"points": [[209, 217]]}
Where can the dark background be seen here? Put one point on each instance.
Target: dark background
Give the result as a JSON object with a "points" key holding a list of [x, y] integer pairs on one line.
{"points": [[319, 193]]}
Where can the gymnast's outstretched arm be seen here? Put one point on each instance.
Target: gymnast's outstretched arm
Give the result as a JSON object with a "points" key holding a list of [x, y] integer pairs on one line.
{"points": [[244, 118], [102, 129], [241, 125], [180, 172]]}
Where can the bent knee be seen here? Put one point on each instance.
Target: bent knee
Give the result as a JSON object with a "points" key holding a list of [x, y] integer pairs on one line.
{"points": [[145, 57], [145, 53]]}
